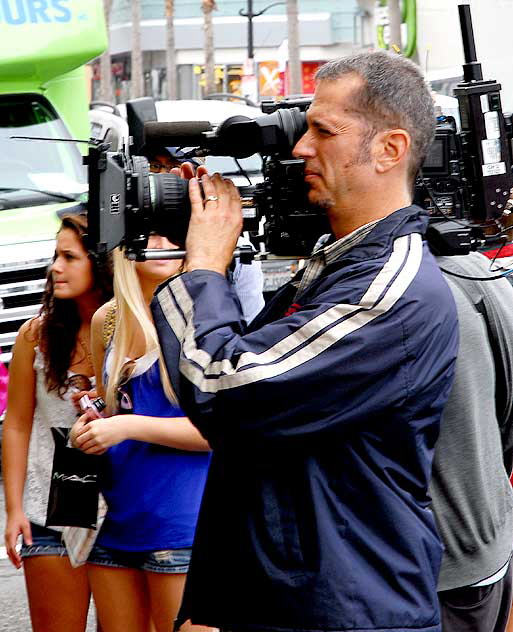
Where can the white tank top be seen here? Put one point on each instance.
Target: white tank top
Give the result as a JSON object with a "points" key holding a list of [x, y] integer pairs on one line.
{"points": [[50, 410]]}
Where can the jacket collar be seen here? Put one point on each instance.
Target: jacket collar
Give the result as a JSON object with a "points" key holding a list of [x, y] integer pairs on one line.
{"points": [[407, 220]]}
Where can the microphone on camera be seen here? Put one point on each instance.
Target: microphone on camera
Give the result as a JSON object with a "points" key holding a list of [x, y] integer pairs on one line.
{"points": [[177, 134], [237, 136]]}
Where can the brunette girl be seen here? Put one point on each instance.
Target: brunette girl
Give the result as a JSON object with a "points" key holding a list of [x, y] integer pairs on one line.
{"points": [[51, 350]]}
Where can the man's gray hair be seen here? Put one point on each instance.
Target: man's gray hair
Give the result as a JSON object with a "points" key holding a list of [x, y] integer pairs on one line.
{"points": [[394, 94]]}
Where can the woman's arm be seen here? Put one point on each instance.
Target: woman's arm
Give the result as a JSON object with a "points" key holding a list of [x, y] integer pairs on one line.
{"points": [[94, 437], [16, 435]]}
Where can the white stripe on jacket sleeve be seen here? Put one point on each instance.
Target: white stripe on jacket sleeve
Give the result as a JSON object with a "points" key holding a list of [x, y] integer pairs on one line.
{"points": [[306, 342]]}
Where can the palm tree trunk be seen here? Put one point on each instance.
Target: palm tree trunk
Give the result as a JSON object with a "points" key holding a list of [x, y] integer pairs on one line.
{"points": [[170, 50], [208, 7], [137, 59], [106, 92], [295, 79]]}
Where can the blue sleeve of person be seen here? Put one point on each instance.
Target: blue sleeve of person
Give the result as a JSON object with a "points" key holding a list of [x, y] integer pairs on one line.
{"points": [[248, 283]]}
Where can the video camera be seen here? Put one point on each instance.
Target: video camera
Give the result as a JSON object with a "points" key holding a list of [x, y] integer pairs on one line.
{"points": [[127, 202], [466, 177]]}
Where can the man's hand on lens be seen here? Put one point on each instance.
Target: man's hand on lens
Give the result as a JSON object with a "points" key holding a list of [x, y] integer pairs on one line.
{"points": [[215, 224], [187, 171]]}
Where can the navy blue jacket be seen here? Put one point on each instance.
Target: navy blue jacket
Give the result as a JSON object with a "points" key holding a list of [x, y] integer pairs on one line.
{"points": [[315, 514]]}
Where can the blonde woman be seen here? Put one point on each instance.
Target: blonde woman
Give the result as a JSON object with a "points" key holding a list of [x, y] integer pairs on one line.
{"points": [[157, 460]]}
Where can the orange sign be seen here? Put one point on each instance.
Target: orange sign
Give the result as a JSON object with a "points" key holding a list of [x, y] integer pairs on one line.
{"points": [[269, 80]]}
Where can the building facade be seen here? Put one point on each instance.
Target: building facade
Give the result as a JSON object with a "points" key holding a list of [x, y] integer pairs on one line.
{"points": [[327, 29]]}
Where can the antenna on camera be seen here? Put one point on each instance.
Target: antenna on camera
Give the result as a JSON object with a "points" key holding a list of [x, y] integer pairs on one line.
{"points": [[472, 70], [52, 140]]}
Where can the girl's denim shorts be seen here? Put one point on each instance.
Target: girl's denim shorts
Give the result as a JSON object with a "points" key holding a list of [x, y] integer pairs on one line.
{"points": [[169, 561], [44, 542]]}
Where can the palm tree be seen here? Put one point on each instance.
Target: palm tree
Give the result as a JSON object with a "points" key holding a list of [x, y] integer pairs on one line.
{"points": [[106, 92], [295, 79], [170, 50], [137, 59], [207, 7]]}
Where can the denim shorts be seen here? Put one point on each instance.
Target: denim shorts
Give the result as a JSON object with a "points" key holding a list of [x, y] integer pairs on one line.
{"points": [[168, 561], [44, 542]]}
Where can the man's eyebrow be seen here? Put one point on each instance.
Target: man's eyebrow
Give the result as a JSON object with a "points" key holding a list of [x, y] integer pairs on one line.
{"points": [[318, 122]]}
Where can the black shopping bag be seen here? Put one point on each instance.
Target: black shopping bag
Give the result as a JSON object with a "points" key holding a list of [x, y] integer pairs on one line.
{"points": [[74, 486]]}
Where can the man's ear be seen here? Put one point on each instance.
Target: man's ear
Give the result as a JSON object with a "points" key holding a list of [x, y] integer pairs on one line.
{"points": [[391, 148]]}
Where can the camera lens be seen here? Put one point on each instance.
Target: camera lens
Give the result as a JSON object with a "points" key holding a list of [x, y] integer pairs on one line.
{"points": [[171, 207]]}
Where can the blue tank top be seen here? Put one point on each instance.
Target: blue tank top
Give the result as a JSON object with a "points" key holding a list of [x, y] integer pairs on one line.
{"points": [[153, 492]]}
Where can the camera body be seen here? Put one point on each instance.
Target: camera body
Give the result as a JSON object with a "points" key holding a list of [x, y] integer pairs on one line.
{"points": [[456, 182], [127, 202], [441, 186]]}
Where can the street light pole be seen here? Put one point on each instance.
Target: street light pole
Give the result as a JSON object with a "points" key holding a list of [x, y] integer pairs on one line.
{"points": [[250, 15], [249, 80]]}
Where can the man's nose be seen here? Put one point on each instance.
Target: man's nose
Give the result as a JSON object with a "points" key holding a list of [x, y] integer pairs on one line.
{"points": [[303, 148]]}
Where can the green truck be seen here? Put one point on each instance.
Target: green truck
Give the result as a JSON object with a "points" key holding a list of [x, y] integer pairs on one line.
{"points": [[43, 94]]}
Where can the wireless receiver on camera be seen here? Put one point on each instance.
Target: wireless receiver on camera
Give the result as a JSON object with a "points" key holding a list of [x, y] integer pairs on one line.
{"points": [[486, 157], [466, 183]]}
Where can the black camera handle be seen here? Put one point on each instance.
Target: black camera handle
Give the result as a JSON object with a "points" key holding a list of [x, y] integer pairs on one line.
{"points": [[246, 254]]}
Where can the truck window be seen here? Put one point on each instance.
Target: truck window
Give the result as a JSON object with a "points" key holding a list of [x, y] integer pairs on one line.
{"points": [[31, 164]]}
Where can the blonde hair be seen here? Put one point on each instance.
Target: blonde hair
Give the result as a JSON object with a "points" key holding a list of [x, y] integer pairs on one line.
{"points": [[130, 307]]}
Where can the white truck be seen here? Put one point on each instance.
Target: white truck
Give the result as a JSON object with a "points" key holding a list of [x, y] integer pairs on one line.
{"points": [[43, 94]]}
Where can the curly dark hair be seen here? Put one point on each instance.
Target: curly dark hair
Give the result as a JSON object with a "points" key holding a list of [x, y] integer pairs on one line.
{"points": [[60, 319]]}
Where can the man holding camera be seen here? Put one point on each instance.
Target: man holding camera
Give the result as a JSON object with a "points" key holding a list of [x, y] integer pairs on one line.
{"points": [[324, 414]]}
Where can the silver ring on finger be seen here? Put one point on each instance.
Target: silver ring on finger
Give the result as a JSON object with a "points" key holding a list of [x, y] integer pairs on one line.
{"points": [[211, 198]]}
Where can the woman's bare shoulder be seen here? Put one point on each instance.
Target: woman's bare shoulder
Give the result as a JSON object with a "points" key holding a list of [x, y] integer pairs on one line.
{"points": [[27, 340], [30, 331], [101, 313], [103, 322]]}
